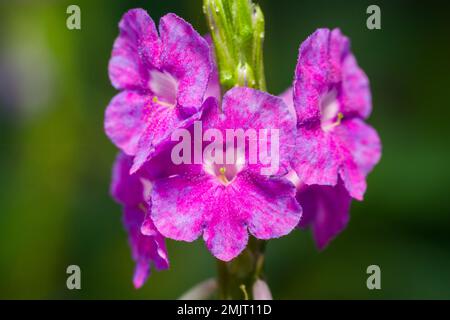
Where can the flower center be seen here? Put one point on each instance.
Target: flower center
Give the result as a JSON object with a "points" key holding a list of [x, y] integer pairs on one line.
{"points": [[329, 108], [225, 172], [226, 176], [164, 88]]}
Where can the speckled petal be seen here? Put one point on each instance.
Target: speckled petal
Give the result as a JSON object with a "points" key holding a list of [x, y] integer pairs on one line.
{"points": [[125, 188], [133, 192], [161, 165], [226, 232], [348, 148], [186, 56], [353, 177], [317, 158], [356, 98], [269, 203], [135, 51], [148, 229], [362, 141], [184, 206], [246, 108], [325, 63], [338, 49], [326, 210], [124, 123], [267, 207], [288, 98], [178, 205], [350, 152], [161, 121], [146, 250], [311, 75]]}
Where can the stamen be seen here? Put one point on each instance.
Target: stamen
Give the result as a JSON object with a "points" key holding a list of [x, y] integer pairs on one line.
{"points": [[222, 176], [162, 103], [340, 116]]}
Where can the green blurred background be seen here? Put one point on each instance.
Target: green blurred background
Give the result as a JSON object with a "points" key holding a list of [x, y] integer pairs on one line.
{"points": [[55, 160]]}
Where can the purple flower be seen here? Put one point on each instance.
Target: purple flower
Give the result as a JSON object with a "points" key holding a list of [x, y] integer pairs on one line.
{"points": [[225, 202], [326, 209], [133, 193], [332, 98], [162, 79]]}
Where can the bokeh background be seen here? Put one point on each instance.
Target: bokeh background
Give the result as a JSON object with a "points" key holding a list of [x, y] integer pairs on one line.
{"points": [[55, 160]]}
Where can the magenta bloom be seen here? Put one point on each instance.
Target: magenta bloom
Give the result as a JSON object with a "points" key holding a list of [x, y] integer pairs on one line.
{"points": [[162, 79], [225, 202], [147, 244], [326, 210], [332, 99]]}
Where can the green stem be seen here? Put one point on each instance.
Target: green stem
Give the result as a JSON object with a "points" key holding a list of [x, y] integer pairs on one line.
{"points": [[237, 30], [237, 277]]}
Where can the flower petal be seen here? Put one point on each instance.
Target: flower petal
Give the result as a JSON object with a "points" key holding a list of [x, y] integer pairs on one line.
{"points": [[125, 188], [186, 56], [145, 249], [161, 122], [185, 205], [261, 290], [226, 234], [311, 75], [326, 67], [266, 206], [354, 179], [362, 141], [325, 62], [124, 123], [288, 98], [269, 203], [355, 97], [135, 51], [317, 158], [161, 165], [339, 49], [148, 229], [350, 152], [246, 108], [178, 204], [326, 209]]}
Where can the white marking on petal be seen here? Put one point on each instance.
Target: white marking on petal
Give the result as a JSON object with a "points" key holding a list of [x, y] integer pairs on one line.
{"points": [[329, 109], [164, 86]]}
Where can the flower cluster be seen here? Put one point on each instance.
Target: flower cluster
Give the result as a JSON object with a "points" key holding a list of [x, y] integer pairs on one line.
{"points": [[168, 81]]}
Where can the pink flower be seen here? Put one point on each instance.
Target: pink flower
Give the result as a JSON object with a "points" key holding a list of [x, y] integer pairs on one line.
{"points": [[162, 79], [226, 202], [332, 99], [147, 244], [326, 209]]}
